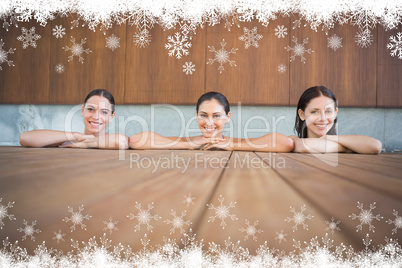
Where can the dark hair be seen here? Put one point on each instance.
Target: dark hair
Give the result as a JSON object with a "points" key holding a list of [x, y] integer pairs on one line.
{"points": [[103, 93], [305, 98], [217, 96]]}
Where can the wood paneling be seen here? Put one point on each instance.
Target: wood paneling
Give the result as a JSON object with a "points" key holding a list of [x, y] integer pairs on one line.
{"points": [[101, 68], [155, 77], [349, 72], [255, 79], [28, 80], [389, 84], [359, 77]]}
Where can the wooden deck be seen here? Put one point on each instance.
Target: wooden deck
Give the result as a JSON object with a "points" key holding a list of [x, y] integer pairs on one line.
{"points": [[237, 188]]}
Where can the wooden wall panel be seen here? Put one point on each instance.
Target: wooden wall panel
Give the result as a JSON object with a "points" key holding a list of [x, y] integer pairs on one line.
{"points": [[101, 68], [255, 79], [349, 72], [28, 80], [155, 77], [389, 84]]}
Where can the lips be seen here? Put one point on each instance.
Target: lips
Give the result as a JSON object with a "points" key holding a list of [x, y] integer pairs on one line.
{"points": [[95, 123], [210, 129], [321, 126]]}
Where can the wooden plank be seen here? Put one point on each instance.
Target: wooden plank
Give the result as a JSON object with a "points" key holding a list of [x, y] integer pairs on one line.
{"points": [[349, 72], [110, 188], [28, 80], [154, 77], [389, 69], [262, 196], [338, 197], [380, 160], [255, 79], [100, 68], [389, 185], [390, 169]]}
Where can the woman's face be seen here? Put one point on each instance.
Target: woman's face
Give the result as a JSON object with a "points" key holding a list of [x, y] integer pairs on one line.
{"points": [[97, 113], [319, 116], [212, 118]]}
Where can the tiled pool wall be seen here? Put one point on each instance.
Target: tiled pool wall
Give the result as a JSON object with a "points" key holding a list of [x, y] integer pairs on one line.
{"points": [[172, 120]]}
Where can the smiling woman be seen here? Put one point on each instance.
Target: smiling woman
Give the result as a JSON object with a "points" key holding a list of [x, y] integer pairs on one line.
{"points": [[97, 112], [316, 119], [213, 112]]}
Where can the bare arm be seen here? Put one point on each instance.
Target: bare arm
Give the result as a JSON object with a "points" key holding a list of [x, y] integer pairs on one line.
{"points": [[108, 141], [358, 143], [151, 140], [316, 145], [272, 142], [46, 138]]}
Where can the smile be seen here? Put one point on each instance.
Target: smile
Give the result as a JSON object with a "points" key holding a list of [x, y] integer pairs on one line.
{"points": [[210, 129], [95, 123]]}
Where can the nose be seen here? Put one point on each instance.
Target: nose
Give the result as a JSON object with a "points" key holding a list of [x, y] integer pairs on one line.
{"points": [[95, 115], [323, 116]]}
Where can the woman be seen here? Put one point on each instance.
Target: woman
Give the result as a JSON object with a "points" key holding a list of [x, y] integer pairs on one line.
{"points": [[97, 112], [316, 126], [213, 112]]}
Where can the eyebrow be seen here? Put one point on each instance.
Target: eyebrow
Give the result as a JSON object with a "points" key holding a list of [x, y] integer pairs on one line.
{"points": [[212, 113]]}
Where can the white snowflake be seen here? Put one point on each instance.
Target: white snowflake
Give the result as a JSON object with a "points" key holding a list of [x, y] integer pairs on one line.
{"points": [[397, 222], [222, 212], [364, 38], [280, 236], [281, 68], [28, 230], [112, 42], [363, 18], [142, 38], [77, 50], [77, 218], [143, 217], [28, 38], [188, 28], [4, 213], [222, 56], [59, 68], [58, 236], [332, 225], [251, 230], [365, 217], [110, 225], [250, 37], [334, 42], [281, 31], [4, 55], [177, 222], [299, 218], [188, 199], [299, 49], [396, 45], [59, 31], [188, 68], [177, 45]]}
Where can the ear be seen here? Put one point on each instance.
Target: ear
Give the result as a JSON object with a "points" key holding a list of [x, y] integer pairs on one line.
{"points": [[82, 110], [112, 116], [301, 114], [336, 112], [228, 117]]}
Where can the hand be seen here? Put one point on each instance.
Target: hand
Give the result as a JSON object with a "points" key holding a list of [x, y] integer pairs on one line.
{"points": [[224, 144], [202, 143], [82, 141]]}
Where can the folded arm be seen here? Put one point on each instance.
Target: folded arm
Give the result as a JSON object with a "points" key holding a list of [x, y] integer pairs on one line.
{"points": [[272, 142], [108, 141], [49, 138], [334, 143]]}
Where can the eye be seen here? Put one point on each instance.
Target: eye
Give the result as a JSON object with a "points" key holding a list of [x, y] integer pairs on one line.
{"points": [[203, 115], [90, 109], [314, 112], [329, 111], [105, 112], [217, 116]]}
